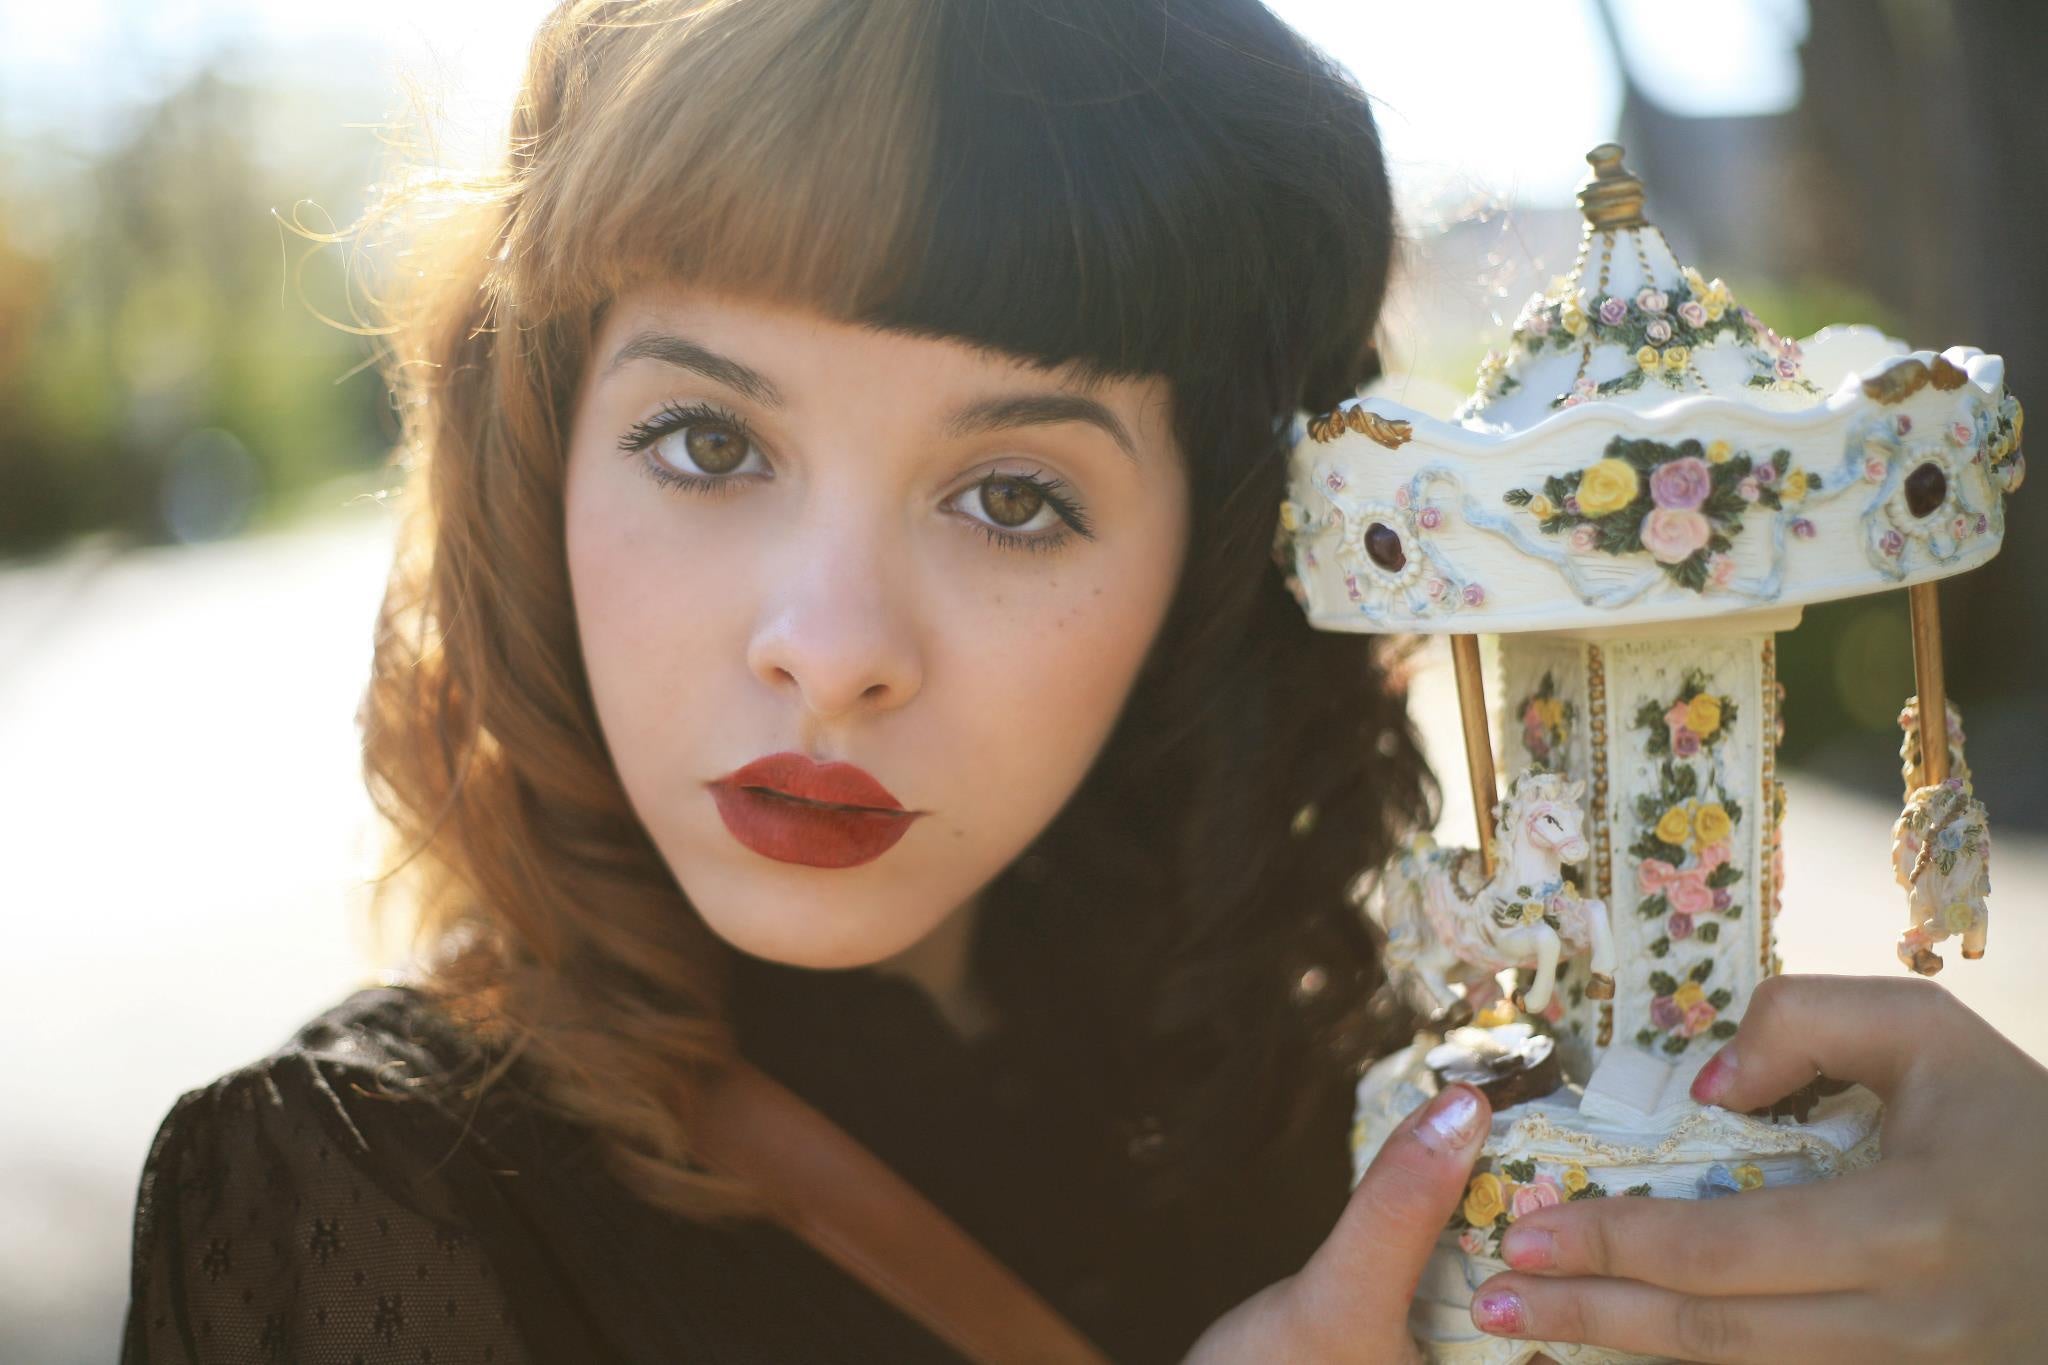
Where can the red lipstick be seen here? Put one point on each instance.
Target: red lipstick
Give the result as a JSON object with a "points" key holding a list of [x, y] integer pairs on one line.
{"points": [[791, 809]]}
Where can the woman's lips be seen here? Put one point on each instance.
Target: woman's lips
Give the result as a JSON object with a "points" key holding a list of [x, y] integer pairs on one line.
{"points": [[827, 815]]}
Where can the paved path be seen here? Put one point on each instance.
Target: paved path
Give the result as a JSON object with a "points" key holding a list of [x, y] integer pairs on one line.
{"points": [[182, 826]]}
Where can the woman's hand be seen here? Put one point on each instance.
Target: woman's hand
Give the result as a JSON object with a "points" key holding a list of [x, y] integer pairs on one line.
{"points": [[1933, 1254], [1350, 1302]]}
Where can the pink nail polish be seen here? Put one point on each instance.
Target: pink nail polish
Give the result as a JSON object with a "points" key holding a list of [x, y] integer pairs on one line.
{"points": [[1712, 1083], [1499, 1311], [1452, 1120], [1529, 1248]]}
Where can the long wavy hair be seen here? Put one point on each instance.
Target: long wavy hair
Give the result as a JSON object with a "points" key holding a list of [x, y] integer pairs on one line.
{"points": [[1140, 187]]}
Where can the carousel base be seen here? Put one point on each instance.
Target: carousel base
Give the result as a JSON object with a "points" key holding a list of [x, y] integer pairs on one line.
{"points": [[1567, 1147]]}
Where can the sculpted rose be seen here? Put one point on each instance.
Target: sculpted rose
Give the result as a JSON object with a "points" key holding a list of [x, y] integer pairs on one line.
{"points": [[1688, 893], [1711, 821], [1607, 487], [1703, 714], [1675, 826], [1673, 535], [1483, 1199], [1681, 483], [1537, 1194]]}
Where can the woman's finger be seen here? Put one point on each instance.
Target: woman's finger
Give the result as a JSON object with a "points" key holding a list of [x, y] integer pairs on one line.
{"points": [[1626, 1316], [1850, 1027], [1795, 1239], [1365, 1272]]}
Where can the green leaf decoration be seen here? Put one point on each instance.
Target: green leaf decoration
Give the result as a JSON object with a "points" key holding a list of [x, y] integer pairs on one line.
{"points": [[1723, 1028], [1721, 999], [1663, 983], [1709, 932], [1702, 969]]}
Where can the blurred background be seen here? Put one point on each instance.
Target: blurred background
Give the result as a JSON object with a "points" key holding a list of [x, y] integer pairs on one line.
{"points": [[195, 516]]}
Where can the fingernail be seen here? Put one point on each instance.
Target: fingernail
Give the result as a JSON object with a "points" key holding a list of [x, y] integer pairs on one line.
{"points": [[1528, 1248], [1452, 1120], [1715, 1077], [1499, 1311]]}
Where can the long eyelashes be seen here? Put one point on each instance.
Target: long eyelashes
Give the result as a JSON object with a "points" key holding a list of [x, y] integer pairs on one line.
{"points": [[673, 417]]}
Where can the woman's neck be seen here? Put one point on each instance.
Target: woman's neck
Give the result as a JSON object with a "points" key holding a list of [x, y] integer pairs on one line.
{"points": [[938, 963]]}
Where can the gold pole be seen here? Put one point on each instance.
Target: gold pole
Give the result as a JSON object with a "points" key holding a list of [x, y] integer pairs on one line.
{"points": [[1478, 743], [1923, 605]]}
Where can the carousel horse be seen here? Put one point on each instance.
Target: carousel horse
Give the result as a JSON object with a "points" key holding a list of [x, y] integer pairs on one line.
{"points": [[1941, 852], [1447, 922]]}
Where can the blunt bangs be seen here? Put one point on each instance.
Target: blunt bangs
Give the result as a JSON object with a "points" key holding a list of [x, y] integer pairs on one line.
{"points": [[1122, 187]]}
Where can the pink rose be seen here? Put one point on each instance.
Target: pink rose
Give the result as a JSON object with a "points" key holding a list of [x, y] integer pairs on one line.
{"points": [[1679, 926], [1474, 594], [1722, 900], [1891, 542], [1688, 893], [1652, 300], [1694, 313], [1436, 587], [1654, 875], [1720, 569], [1429, 518], [1682, 483], [1747, 489], [1472, 1242], [1715, 854], [1699, 1017], [1767, 473], [1334, 481], [1803, 528], [1583, 540], [1674, 716], [1673, 535], [1684, 742], [1904, 424], [1537, 1194], [1786, 366], [1664, 1012], [1400, 497], [1962, 433], [1532, 715], [1538, 324], [1961, 527], [1612, 311], [1658, 331], [1873, 469]]}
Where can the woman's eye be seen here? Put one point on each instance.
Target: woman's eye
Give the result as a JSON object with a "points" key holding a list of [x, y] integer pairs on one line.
{"points": [[697, 448], [1023, 511], [700, 448]]}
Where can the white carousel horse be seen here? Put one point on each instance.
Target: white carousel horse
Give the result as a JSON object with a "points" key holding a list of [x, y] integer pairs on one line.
{"points": [[1446, 924], [1941, 852]]}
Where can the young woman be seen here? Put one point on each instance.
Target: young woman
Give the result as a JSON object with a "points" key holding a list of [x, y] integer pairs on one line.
{"points": [[837, 628]]}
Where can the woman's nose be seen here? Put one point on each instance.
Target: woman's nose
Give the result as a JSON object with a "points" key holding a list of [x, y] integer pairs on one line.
{"points": [[837, 624]]}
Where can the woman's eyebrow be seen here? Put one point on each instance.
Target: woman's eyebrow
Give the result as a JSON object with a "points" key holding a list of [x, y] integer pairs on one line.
{"points": [[983, 414]]}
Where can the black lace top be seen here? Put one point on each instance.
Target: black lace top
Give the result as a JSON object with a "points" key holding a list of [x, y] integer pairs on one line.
{"points": [[306, 1208]]}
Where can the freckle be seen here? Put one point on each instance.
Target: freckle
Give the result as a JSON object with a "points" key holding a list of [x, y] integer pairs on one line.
{"points": [[1098, 590]]}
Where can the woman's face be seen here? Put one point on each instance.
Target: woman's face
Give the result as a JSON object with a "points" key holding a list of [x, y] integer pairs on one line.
{"points": [[939, 565]]}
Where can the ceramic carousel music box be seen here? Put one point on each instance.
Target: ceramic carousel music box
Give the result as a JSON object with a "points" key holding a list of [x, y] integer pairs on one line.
{"points": [[1645, 489]]}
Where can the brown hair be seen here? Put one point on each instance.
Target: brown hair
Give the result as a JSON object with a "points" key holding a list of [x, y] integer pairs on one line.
{"points": [[1132, 188]]}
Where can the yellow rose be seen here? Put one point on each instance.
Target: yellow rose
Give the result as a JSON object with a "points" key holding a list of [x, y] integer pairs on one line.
{"points": [[1749, 1176], [1703, 714], [1718, 452], [1484, 1200], [1290, 516], [1575, 1177], [1552, 711], [1717, 299], [1648, 358], [1607, 487], [1711, 823], [1541, 507], [1688, 995], [1693, 280], [1674, 827], [1572, 318], [1794, 487], [1676, 358]]}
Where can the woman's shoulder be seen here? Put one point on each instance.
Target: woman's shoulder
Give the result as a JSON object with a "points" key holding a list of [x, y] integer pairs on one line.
{"points": [[320, 1196]]}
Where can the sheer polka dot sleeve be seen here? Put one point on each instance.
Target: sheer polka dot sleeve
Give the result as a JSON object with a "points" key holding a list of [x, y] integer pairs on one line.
{"points": [[270, 1228]]}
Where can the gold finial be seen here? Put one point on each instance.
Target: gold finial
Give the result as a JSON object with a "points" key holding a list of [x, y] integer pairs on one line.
{"points": [[1611, 197]]}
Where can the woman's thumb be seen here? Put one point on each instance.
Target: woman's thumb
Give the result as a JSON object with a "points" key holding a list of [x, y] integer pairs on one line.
{"points": [[1360, 1280]]}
